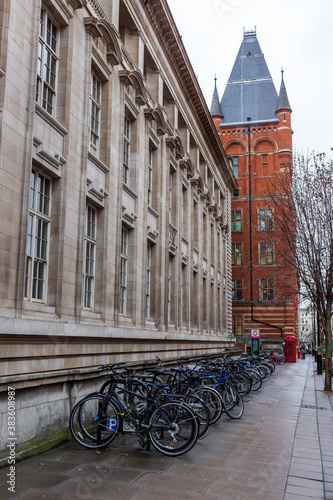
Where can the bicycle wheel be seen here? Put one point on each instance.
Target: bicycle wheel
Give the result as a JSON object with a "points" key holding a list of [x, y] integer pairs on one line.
{"points": [[199, 408], [212, 400], [232, 402], [243, 384], [89, 426], [281, 360], [173, 428], [248, 377], [135, 402], [256, 379], [269, 365], [264, 371]]}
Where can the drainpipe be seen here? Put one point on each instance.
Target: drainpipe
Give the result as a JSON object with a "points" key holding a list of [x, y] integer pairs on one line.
{"points": [[250, 224]]}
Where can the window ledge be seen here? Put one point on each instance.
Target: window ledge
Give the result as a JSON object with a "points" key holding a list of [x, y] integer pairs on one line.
{"points": [[150, 325], [88, 314], [39, 309], [129, 191], [125, 321], [152, 211], [50, 120], [98, 162]]}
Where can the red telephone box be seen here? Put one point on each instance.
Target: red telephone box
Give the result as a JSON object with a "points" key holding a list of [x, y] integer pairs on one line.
{"points": [[291, 349]]}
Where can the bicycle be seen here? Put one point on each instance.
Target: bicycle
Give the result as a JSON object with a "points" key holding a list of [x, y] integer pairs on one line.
{"points": [[153, 379], [171, 426], [222, 381]]}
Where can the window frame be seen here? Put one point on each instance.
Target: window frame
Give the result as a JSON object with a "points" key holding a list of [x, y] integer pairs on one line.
{"points": [[148, 280], [123, 270], [266, 290], [234, 254], [264, 164], [235, 166], [169, 291], [235, 220], [263, 256], [38, 237], [95, 113], [150, 176], [126, 149], [236, 324], [170, 194], [265, 222], [90, 257], [47, 62], [235, 289]]}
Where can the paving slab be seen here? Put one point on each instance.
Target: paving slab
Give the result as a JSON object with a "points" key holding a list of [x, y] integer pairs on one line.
{"points": [[281, 449]]}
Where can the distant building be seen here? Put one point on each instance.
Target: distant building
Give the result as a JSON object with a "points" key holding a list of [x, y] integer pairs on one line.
{"points": [[115, 202], [254, 124], [307, 325]]}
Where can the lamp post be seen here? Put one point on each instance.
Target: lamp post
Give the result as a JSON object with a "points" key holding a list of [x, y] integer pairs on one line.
{"points": [[319, 348]]}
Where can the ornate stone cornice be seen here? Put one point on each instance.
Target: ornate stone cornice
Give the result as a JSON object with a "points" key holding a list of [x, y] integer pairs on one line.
{"points": [[100, 61], [174, 142], [166, 30], [102, 28], [187, 163], [76, 4], [157, 115], [140, 87], [91, 25], [197, 181], [135, 78], [124, 77]]}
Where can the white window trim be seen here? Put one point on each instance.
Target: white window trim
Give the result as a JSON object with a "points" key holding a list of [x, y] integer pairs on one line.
{"points": [[126, 149], [123, 260], [42, 82], [96, 106], [148, 281], [45, 218], [91, 240], [150, 176]]}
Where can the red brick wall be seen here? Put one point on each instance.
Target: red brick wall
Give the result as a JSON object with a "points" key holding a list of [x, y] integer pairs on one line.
{"points": [[271, 151]]}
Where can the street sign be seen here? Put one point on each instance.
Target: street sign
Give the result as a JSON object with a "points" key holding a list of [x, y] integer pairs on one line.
{"points": [[255, 336]]}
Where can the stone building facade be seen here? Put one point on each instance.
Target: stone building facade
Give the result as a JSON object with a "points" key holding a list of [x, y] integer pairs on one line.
{"points": [[115, 203], [254, 125], [307, 327]]}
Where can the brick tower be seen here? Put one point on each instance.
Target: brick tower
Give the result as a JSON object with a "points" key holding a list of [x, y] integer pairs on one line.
{"points": [[254, 124]]}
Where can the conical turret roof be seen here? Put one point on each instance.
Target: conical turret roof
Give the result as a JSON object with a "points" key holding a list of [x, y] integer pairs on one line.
{"points": [[283, 101], [250, 91], [215, 109]]}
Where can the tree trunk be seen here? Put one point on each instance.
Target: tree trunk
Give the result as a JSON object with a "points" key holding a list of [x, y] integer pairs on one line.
{"points": [[328, 354]]}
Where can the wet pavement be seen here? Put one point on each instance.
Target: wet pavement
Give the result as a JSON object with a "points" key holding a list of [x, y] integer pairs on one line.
{"points": [[281, 449]]}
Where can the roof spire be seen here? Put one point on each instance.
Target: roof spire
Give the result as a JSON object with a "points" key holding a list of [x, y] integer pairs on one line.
{"points": [[249, 32], [250, 90], [283, 101], [215, 109]]}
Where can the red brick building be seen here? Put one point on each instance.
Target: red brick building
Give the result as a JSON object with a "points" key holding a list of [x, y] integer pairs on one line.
{"points": [[254, 124]]}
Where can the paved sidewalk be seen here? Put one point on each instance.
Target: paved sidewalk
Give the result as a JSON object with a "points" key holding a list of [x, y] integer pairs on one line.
{"points": [[281, 449]]}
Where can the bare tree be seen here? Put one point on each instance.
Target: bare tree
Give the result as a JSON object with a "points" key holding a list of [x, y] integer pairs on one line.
{"points": [[302, 199]]}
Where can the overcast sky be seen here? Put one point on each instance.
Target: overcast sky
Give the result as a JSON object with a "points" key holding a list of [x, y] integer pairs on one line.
{"points": [[295, 34]]}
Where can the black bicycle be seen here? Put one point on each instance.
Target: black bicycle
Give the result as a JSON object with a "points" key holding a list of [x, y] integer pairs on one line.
{"points": [[170, 425]]}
